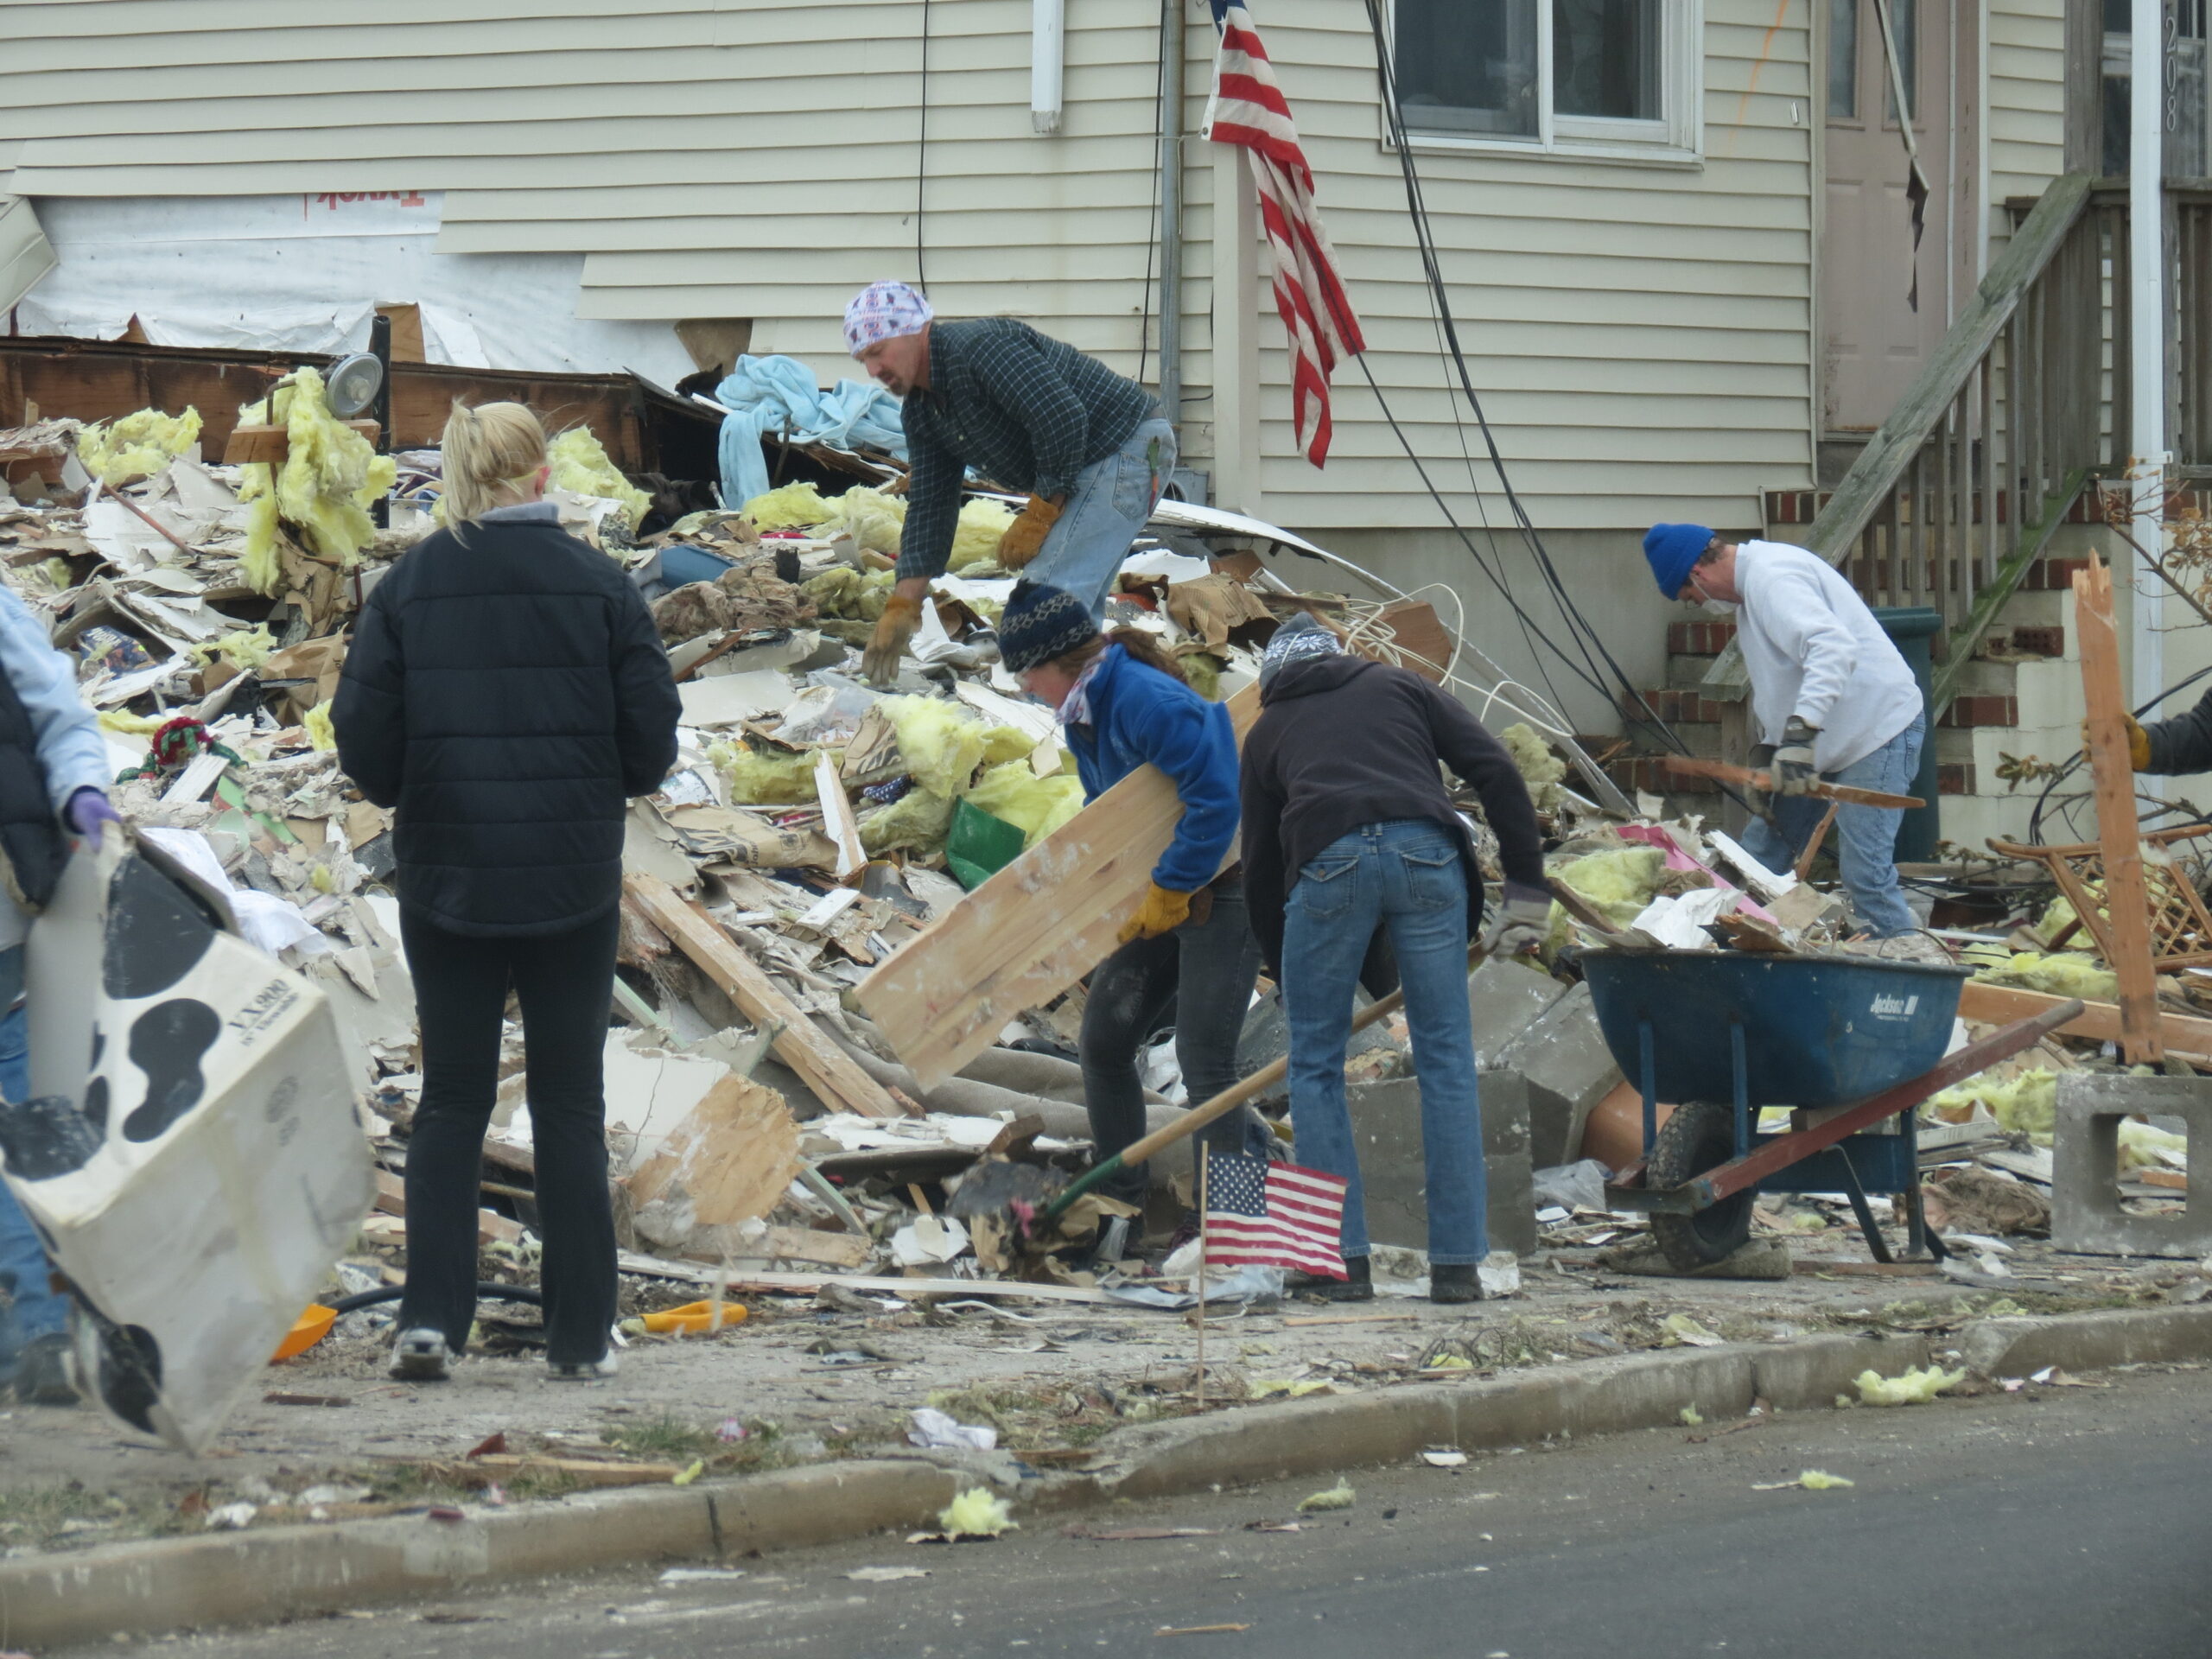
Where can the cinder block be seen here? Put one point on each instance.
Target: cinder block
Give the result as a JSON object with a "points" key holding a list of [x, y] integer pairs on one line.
{"points": [[1507, 998], [1568, 1069], [1386, 1129], [2086, 1216]]}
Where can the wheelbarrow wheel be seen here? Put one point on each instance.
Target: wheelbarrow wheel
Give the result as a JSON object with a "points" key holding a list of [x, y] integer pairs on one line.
{"points": [[1695, 1138]]}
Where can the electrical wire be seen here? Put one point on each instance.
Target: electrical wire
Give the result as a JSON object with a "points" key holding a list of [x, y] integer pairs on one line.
{"points": [[2073, 764], [922, 151], [1151, 227], [1590, 646]]}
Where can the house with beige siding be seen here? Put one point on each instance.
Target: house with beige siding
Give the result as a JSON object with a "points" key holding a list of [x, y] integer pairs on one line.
{"points": [[1674, 235]]}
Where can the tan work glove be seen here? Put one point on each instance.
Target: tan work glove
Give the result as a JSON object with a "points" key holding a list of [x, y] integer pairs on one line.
{"points": [[1027, 533], [1523, 918], [1163, 910], [901, 616], [2139, 743]]}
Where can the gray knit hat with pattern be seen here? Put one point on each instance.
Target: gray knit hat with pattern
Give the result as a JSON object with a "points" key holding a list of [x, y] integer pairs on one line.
{"points": [[1303, 635]]}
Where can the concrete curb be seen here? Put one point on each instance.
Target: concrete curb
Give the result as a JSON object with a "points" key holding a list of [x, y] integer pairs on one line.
{"points": [[240, 1578]]}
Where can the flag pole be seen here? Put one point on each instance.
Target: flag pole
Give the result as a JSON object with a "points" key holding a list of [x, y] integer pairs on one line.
{"points": [[1203, 1162]]}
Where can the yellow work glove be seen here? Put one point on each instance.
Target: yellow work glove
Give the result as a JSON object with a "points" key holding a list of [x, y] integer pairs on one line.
{"points": [[1027, 533], [1163, 910], [901, 616], [2139, 743]]}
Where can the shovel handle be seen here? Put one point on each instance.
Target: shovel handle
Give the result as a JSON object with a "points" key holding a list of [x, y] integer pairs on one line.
{"points": [[1227, 1101]]}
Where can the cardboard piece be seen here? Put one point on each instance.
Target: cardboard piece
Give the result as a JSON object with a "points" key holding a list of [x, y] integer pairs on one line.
{"points": [[196, 1180], [726, 1163]]}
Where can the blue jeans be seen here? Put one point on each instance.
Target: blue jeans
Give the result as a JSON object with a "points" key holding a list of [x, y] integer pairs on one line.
{"points": [[1406, 874], [38, 1311], [1868, 836], [1106, 511]]}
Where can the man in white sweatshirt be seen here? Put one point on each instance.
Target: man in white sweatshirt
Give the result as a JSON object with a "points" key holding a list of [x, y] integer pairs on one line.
{"points": [[1831, 699]]}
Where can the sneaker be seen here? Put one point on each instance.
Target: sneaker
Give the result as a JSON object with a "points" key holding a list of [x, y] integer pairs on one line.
{"points": [[1454, 1282], [1356, 1286], [582, 1370], [420, 1356], [42, 1373]]}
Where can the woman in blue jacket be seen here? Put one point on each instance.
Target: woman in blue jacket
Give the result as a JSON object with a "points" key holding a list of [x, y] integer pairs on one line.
{"points": [[1123, 702]]}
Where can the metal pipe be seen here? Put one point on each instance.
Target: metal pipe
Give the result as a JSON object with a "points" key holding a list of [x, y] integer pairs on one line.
{"points": [[2147, 332], [1048, 36], [1171, 215]]}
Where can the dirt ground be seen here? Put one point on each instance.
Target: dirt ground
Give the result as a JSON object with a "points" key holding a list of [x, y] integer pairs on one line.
{"points": [[805, 1379]]}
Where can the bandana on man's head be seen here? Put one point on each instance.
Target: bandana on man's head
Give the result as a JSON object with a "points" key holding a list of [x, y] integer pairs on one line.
{"points": [[885, 311]]}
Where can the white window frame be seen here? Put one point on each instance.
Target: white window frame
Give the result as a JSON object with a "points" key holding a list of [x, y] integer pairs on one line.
{"points": [[1676, 140]]}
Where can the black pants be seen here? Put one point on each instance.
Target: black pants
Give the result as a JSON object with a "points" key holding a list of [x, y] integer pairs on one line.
{"points": [[1206, 969], [566, 983]]}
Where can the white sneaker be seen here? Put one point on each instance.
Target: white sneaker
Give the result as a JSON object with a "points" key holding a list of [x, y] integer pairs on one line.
{"points": [[420, 1355], [582, 1370]]}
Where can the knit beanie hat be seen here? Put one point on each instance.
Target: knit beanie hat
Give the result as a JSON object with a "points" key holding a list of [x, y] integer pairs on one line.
{"points": [[1303, 635], [1671, 550], [1039, 624], [885, 311]]}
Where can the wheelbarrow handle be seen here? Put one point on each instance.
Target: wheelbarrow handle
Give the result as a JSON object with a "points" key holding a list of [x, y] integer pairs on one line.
{"points": [[1227, 1101]]}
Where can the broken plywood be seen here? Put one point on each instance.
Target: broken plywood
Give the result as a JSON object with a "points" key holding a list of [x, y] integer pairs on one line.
{"points": [[726, 1163], [1034, 929]]}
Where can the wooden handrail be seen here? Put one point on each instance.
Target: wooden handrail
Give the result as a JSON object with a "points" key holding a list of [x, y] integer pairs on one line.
{"points": [[1837, 526]]}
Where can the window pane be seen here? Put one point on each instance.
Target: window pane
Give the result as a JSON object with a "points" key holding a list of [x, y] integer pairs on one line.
{"points": [[1605, 59], [1843, 60], [1468, 66]]}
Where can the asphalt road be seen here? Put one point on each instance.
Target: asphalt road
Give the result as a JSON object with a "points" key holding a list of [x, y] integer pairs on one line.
{"points": [[2060, 1522]]}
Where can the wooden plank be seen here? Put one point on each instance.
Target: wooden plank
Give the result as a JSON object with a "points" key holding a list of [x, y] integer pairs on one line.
{"points": [[801, 1283], [824, 1067], [2127, 901], [1031, 931], [1892, 449], [270, 444], [1996, 1005]]}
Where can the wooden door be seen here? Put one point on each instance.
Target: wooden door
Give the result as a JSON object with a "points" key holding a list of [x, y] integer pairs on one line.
{"points": [[1875, 338]]}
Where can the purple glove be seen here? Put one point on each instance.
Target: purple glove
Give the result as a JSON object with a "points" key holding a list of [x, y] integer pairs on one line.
{"points": [[88, 813]]}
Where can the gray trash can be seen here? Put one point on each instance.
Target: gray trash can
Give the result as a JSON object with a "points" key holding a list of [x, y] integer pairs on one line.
{"points": [[1913, 629]]}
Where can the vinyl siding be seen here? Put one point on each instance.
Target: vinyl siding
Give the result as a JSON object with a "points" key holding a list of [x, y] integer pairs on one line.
{"points": [[1640, 335], [2027, 100]]}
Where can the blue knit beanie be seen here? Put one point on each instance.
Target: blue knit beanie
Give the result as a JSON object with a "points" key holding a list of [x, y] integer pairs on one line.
{"points": [[1672, 549], [1302, 635], [1039, 624]]}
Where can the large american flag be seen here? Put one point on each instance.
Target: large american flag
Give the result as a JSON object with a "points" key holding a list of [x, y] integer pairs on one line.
{"points": [[1247, 108], [1276, 1215]]}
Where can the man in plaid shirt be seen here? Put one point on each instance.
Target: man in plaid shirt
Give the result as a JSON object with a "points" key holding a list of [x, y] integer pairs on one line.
{"points": [[1026, 412]]}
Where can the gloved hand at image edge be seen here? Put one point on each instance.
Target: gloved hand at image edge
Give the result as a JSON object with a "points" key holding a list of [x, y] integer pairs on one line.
{"points": [[2139, 743], [1522, 919], [1021, 539], [901, 616], [1793, 761], [88, 813], [1163, 910]]}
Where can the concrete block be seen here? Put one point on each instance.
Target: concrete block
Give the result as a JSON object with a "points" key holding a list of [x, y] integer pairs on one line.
{"points": [[1568, 1069], [2086, 1214], [1386, 1129], [1507, 998]]}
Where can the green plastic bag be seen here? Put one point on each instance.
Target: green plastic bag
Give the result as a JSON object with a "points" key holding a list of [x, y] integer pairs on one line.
{"points": [[980, 846]]}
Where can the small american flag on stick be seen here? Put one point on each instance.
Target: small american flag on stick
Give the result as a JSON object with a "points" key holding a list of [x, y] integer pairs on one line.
{"points": [[1275, 1215], [1248, 108]]}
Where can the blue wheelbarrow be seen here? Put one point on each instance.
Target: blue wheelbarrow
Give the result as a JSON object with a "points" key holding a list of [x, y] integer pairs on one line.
{"points": [[1848, 1042]]}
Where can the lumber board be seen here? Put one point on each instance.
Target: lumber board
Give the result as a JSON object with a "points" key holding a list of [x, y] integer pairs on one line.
{"points": [[824, 1067], [1032, 930], [1996, 1005], [2120, 832], [271, 444], [881, 1284]]}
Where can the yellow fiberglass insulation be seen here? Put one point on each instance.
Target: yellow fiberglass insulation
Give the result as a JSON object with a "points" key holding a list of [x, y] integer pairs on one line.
{"points": [[918, 821], [765, 777], [1911, 1388], [977, 1513], [324, 488], [2062, 973], [245, 649], [1035, 805], [2140, 1145], [580, 465], [137, 446], [853, 595], [795, 506], [316, 723], [1203, 673], [1005, 743], [982, 523], [870, 517], [2026, 1105], [1619, 883], [941, 742], [1539, 768]]}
